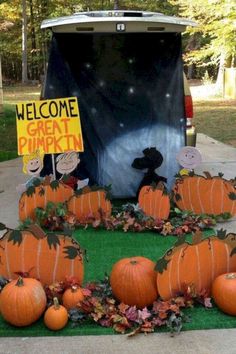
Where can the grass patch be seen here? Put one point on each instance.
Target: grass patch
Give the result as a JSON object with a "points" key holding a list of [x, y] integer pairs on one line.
{"points": [[16, 93], [217, 119], [8, 137], [8, 142]]}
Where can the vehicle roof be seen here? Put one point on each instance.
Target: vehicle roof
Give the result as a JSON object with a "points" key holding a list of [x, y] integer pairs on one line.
{"points": [[96, 18]]}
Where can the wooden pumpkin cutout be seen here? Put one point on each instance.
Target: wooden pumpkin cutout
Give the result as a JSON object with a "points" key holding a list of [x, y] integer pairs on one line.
{"points": [[38, 195], [154, 201], [195, 264], [88, 204], [47, 257], [205, 195]]}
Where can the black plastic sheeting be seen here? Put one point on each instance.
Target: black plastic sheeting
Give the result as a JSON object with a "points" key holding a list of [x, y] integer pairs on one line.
{"points": [[130, 93]]}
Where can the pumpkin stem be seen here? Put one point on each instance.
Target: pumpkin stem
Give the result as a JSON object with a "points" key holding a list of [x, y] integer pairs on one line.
{"points": [[37, 231], [133, 261], [20, 282], [47, 181], [74, 288], [230, 276], [197, 237], [160, 186], [207, 174], [56, 303]]}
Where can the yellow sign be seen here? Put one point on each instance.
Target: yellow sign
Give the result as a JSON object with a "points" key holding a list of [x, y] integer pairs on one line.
{"points": [[50, 126]]}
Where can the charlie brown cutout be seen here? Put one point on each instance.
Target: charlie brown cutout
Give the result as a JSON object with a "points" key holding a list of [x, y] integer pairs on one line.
{"points": [[67, 163], [188, 157]]}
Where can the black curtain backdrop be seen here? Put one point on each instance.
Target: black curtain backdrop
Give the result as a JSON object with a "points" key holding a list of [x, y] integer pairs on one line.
{"points": [[130, 94]]}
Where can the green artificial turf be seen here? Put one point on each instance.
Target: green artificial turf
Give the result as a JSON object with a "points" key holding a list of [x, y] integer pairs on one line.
{"points": [[104, 248]]}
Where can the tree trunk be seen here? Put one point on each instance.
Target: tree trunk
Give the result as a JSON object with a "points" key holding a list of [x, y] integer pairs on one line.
{"points": [[1, 90], [219, 86], [24, 44], [34, 56], [116, 4]]}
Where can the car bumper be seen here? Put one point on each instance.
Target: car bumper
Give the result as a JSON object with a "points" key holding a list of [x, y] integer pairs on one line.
{"points": [[191, 136]]}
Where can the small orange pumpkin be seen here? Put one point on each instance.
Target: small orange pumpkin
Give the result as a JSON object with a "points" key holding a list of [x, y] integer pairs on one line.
{"points": [[89, 203], [155, 201], [23, 301], [56, 316], [133, 281], [224, 293], [71, 297]]}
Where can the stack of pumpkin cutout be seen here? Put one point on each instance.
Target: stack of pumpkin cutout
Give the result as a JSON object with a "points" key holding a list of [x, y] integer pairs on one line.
{"points": [[84, 204]]}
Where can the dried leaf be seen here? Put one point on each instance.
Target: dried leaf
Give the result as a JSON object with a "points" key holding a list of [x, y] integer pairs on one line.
{"points": [[86, 292], [132, 314], [123, 307], [147, 327], [120, 323]]}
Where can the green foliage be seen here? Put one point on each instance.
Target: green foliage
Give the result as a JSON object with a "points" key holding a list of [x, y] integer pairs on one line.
{"points": [[214, 37], [203, 45], [53, 240], [15, 237]]}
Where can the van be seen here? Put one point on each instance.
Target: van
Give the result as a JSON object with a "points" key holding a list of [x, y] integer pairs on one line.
{"points": [[125, 68]]}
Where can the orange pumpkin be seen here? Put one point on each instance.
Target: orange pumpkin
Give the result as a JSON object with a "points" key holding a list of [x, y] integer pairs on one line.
{"points": [[38, 196], [155, 201], [56, 316], [209, 195], [224, 293], [195, 264], [23, 301], [89, 204], [71, 297], [48, 257], [133, 281]]}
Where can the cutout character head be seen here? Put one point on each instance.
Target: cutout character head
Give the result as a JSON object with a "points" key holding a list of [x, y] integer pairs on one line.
{"points": [[33, 163], [67, 162], [151, 160], [189, 157]]}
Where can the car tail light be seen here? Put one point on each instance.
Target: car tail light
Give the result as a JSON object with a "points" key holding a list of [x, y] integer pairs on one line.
{"points": [[188, 108]]}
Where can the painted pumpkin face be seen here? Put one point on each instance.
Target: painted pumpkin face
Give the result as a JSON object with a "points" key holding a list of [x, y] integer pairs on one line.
{"points": [[34, 167], [189, 157]]}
